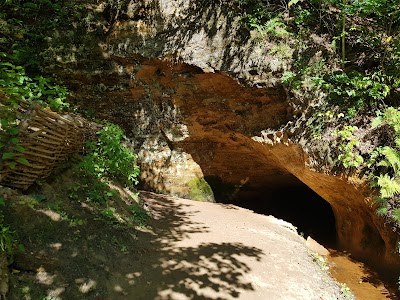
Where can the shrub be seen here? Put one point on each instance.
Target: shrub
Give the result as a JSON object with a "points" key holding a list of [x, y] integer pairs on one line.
{"points": [[108, 158], [18, 89], [348, 155]]}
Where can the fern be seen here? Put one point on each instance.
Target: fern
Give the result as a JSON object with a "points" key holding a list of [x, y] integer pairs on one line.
{"points": [[397, 141], [391, 116], [392, 159], [396, 214], [388, 157], [382, 211], [375, 154], [379, 201], [388, 186]]}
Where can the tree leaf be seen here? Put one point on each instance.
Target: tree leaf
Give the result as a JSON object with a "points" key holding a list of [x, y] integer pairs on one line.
{"points": [[12, 165], [23, 161], [4, 123], [19, 149], [13, 130], [14, 141], [7, 155]]}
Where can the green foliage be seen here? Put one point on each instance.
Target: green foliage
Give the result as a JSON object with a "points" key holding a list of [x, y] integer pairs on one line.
{"points": [[7, 241], [108, 158], [288, 77], [255, 12], [292, 2], [390, 155], [19, 88], [348, 156], [369, 50], [7, 237], [391, 159], [389, 186], [391, 117], [139, 215], [387, 160], [27, 24], [353, 91], [16, 89], [345, 290], [354, 85], [396, 214], [90, 188], [275, 27]]}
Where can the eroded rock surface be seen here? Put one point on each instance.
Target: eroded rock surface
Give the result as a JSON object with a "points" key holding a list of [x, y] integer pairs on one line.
{"points": [[197, 95]]}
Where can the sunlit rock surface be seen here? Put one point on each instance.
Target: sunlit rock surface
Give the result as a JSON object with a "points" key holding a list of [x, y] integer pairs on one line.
{"points": [[198, 96]]}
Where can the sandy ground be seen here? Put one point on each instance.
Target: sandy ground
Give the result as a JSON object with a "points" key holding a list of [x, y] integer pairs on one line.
{"points": [[193, 250], [212, 251]]}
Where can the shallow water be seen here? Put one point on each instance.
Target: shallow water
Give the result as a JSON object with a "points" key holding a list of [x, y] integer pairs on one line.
{"points": [[365, 283]]}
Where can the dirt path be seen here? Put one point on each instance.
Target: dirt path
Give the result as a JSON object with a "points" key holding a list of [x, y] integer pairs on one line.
{"points": [[210, 251], [195, 250]]}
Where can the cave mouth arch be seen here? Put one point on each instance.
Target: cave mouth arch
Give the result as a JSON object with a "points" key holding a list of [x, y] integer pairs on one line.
{"points": [[297, 203]]}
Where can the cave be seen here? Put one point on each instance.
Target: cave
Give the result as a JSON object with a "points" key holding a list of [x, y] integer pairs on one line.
{"points": [[297, 204]]}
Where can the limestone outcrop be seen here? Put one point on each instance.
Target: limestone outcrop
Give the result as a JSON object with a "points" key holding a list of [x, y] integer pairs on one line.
{"points": [[198, 97]]}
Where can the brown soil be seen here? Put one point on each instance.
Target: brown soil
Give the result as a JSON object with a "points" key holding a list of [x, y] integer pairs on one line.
{"points": [[193, 250]]}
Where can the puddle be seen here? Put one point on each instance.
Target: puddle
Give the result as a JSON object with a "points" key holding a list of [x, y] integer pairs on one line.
{"points": [[362, 280]]}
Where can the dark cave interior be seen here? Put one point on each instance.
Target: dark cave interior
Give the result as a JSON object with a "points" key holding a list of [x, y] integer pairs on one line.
{"points": [[297, 204]]}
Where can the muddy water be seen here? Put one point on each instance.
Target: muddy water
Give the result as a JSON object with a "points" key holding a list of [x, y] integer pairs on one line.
{"points": [[364, 282]]}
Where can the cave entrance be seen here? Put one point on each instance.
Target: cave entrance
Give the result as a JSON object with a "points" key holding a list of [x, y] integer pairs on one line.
{"points": [[297, 204]]}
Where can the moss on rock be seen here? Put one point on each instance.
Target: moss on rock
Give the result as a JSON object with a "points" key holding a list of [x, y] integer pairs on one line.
{"points": [[200, 190]]}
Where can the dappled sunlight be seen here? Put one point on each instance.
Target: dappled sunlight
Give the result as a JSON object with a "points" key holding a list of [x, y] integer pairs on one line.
{"points": [[51, 214], [208, 271], [56, 246], [131, 277], [106, 259], [171, 223], [56, 293], [44, 277], [85, 286], [209, 268]]}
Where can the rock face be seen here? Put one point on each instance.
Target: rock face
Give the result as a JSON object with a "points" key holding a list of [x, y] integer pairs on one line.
{"points": [[198, 97]]}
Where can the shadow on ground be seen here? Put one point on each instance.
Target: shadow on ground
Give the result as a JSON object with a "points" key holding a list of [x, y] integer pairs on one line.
{"points": [[98, 259]]}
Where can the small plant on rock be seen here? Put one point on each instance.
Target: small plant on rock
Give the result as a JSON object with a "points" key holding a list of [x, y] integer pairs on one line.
{"points": [[348, 155]]}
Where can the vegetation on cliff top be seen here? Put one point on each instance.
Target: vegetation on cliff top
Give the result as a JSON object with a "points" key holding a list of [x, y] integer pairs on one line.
{"points": [[344, 72]]}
